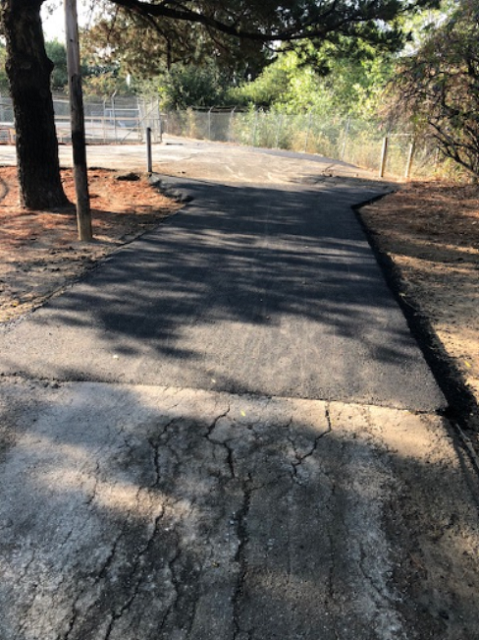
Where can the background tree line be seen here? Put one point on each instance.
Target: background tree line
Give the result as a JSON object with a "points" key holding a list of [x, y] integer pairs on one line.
{"points": [[429, 84]]}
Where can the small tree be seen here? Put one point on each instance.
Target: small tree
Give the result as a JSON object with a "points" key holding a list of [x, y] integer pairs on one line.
{"points": [[437, 88]]}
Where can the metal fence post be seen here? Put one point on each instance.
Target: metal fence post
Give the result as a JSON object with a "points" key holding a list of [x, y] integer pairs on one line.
{"points": [[160, 128], [278, 130], [104, 121], [209, 124], [149, 162], [384, 155], [113, 113], [230, 125]]}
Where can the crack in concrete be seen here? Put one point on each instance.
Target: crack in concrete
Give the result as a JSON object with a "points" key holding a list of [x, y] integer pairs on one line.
{"points": [[225, 445], [332, 569], [240, 556], [301, 458], [384, 601], [156, 463], [109, 560], [162, 439], [33, 597], [92, 496], [175, 583], [97, 577], [127, 605], [382, 595], [71, 624], [135, 571]]}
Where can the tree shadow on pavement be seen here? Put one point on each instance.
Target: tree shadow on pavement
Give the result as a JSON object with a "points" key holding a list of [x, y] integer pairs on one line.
{"points": [[134, 513], [244, 282]]}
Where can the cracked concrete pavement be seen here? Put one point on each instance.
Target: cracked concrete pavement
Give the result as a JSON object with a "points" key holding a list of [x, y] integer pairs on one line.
{"points": [[135, 511], [174, 513]]}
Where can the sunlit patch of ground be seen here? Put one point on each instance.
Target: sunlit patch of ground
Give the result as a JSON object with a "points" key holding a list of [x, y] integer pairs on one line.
{"points": [[431, 232], [39, 251]]}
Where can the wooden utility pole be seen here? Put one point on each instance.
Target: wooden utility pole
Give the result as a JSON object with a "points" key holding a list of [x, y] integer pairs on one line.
{"points": [[77, 122]]}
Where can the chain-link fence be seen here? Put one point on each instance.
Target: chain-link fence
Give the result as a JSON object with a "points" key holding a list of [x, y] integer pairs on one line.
{"points": [[353, 141], [114, 120], [125, 120]]}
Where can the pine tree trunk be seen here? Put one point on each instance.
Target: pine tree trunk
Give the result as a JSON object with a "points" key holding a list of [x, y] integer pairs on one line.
{"points": [[29, 69]]}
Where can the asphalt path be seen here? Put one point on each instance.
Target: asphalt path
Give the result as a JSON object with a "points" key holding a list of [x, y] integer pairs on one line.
{"points": [[270, 290]]}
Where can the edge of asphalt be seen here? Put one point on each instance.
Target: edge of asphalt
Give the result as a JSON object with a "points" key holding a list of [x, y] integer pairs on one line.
{"points": [[462, 409]]}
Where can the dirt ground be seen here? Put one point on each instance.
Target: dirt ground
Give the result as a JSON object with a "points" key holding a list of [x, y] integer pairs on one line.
{"points": [[39, 251], [429, 230]]}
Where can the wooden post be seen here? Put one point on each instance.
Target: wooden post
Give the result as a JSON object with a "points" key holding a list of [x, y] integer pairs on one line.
{"points": [[77, 122], [384, 155], [410, 157]]}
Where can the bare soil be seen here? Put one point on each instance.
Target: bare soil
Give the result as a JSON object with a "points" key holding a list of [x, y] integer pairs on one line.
{"points": [[39, 251], [430, 233]]}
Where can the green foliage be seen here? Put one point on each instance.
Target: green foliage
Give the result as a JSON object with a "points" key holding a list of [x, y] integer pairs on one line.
{"points": [[187, 86], [58, 55], [146, 49], [98, 79], [241, 36], [266, 90], [104, 84], [349, 86], [3, 73]]}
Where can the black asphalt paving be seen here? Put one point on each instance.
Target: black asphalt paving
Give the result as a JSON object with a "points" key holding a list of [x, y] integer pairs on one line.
{"points": [[265, 290]]}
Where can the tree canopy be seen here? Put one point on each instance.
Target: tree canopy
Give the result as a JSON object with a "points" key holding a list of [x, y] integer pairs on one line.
{"points": [[243, 35], [437, 87], [351, 85], [285, 21]]}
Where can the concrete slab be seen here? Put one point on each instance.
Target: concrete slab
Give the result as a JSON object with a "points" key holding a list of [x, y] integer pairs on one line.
{"points": [[134, 512]]}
